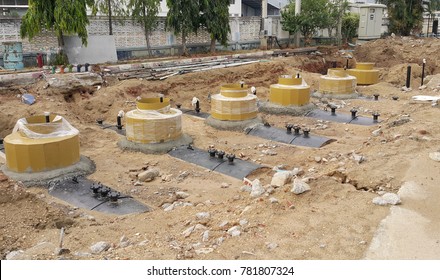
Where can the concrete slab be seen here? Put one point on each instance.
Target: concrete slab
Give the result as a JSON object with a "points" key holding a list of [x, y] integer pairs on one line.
{"points": [[78, 193]]}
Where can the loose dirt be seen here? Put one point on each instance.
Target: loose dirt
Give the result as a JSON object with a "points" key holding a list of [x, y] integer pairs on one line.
{"points": [[335, 220]]}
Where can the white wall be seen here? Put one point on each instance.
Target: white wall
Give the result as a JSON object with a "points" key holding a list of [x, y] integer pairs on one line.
{"points": [[234, 9]]}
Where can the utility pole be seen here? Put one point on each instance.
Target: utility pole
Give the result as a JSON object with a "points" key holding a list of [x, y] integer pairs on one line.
{"points": [[263, 40], [298, 33]]}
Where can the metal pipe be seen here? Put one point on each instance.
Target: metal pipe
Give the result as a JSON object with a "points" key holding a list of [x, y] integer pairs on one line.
{"points": [[296, 128], [376, 97], [119, 121], [212, 152], [230, 158], [376, 117], [178, 105], [346, 67], [161, 99], [220, 154], [47, 115], [78, 68], [306, 132], [86, 67], [408, 76], [289, 128], [353, 113], [423, 71], [198, 106], [333, 109]]}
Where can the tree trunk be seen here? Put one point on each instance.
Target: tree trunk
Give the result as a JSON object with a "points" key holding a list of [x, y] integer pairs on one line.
{"points": [[212, 48], [110, 25], [146, 31], [185, 51]]}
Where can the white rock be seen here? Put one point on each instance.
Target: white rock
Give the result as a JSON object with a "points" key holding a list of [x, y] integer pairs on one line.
{"points": [[246, 188], [99, 247], [273, 200], [223, 224], [205, 236], [299, 186], [271, 245], [204, 251], [148, 175], [203, 215], [435, 156], [281, 178], [243, 222], [224, 185], [170, 207], [358, 158], [257, 189], [234, 231], [187, 232], [182, 195], [318, 159], [387, 199], [377, 132], [12, 255]]}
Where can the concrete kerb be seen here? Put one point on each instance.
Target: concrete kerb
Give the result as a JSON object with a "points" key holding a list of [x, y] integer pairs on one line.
{"points": [[84, 167], [232, 125], [155, 148], [270, 108]]}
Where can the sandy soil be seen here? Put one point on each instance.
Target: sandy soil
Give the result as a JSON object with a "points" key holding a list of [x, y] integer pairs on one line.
{"points": [[335, 220]]}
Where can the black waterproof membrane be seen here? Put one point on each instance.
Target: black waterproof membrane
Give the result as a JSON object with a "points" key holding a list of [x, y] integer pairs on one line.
{"points": [[340, 118], [85, 193], [298, 139], [237, 168]]}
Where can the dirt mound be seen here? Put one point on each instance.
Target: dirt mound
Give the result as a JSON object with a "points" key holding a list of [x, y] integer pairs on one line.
{"points": [[400, 50]]}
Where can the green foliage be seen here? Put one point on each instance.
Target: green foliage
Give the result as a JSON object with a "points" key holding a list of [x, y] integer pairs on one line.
{"points": [[62, 16], [184, 18], [215, 17], [405, 15], [314, 15], [60, 59], [145, 12], [350, 25], [111, 8]]}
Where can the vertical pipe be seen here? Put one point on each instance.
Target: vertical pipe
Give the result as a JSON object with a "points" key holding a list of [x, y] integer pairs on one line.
{"points": [[408, 77], [118, 119], [423, 71], [47, 115], [346, 67], [297, 12]]}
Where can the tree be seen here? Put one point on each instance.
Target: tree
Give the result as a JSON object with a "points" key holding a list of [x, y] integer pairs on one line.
{"points": [[430, 8], [110, 8], [183, 18], [62, 16], [405, 15], [350, 25], [314, 15], [337, 9], [289, 21], [215, 17], [145, 12]]}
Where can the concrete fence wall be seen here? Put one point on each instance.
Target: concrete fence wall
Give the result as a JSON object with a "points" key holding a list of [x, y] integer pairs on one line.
{"points": [[130, 39]]}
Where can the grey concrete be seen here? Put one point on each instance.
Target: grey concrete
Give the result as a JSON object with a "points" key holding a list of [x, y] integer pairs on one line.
{"points": [[232, 125], [156, 148], [318, 94], [100, 49], [270, 108], [84, 167]]}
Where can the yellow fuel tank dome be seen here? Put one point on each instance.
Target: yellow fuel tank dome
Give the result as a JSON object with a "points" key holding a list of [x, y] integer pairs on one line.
{"points": [[234, 103], [365, 73], [41, 143], [153, 122], [290, 91]]}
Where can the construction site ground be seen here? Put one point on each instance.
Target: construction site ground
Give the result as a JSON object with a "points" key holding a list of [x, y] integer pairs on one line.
{"points": [[336, 219]]}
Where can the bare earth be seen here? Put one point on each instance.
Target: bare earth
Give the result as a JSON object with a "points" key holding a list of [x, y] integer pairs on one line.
{"points": [[335, 220]]}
